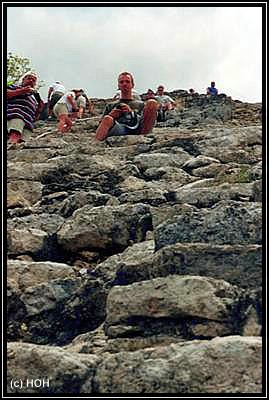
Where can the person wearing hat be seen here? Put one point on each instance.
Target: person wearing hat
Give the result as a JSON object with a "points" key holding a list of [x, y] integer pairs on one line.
{"points": [[24, 105]]}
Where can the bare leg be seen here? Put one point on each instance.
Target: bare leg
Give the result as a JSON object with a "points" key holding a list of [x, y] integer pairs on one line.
{"points": [[104, 127], [64, 124], [80, 112], [149, 116]]}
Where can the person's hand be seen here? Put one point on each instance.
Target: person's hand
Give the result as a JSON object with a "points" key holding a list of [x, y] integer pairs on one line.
{"points": [[119, 110], [27, 90], [19, 91], [115, 113], [125, 108]]}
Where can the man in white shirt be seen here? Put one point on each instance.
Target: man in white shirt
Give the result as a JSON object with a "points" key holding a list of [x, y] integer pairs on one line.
{"points": [[83, 103], [56, 91], [166, 103], [65, 106]]}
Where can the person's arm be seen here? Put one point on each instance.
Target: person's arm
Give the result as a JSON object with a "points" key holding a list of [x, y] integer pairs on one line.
{"points": [[172, 102], [40, 107], [119, 110], [19, 91], [72, 102]]}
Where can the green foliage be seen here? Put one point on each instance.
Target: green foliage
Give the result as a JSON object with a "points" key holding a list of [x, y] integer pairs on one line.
{"points": [[16, 67]]}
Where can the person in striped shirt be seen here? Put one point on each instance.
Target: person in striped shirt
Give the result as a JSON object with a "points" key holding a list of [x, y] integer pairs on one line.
{"points": [[24, 105]]}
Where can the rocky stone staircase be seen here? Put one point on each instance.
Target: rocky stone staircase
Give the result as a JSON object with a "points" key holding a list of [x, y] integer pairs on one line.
{"points": [[134, 265]]}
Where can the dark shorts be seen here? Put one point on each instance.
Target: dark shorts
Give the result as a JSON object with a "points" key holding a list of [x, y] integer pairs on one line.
{"points": [[120, 129], [54, 98]]}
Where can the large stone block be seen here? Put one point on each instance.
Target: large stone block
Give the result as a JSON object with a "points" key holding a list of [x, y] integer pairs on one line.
{"points": [[184, 301], [229, 222], [230, 364], [105, 227]]}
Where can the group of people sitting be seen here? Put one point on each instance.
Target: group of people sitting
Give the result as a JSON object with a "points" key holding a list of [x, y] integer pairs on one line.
{"points": [[127, 114]]}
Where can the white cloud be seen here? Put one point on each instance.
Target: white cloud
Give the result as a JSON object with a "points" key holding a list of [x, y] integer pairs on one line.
{"points": [[181, 47]]}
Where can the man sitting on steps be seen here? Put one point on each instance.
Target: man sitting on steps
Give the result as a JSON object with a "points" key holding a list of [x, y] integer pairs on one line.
{"points": [[127, 116], [166, 103]]}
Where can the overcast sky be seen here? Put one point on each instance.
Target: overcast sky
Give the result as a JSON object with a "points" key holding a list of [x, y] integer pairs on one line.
{"points": [[179, 47]]}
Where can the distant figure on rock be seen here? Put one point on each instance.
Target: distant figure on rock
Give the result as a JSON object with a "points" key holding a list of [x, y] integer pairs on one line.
{"points": [[127, 116], [192, 92], [165, 101], [66, 107], [83, 104], [212, 90], [55, 92], [24, 105], [149, 95]]}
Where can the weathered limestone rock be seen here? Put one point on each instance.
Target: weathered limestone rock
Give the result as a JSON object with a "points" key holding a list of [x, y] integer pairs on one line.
{"points": [[129, 140], [228, 222], [189, 300], [133, 248], [34, 234], [104, 227], [56, 311], [96, 342], [31, 192], [210, 171], [45, 369], [44, 222], [242, 144], [153, 197], [45, 296], [28, 241], [111, 271], [65, 204], [25, 273], [199, 161], [240, 265], [31, 154], [223, 365], [206, 197], [145, 161], [257, 190], [256, 171], [169, 176]]}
